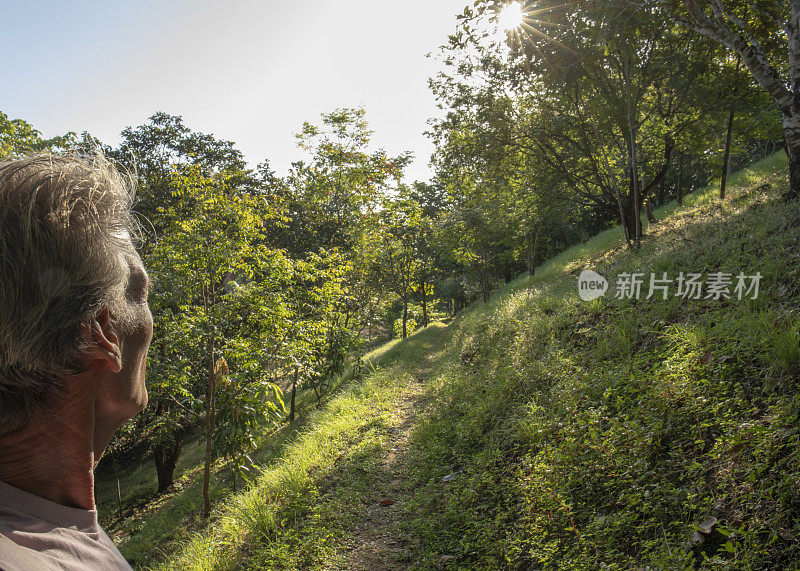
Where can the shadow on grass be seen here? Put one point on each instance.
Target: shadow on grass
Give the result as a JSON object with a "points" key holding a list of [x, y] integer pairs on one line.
{"points": [[155, 523]]}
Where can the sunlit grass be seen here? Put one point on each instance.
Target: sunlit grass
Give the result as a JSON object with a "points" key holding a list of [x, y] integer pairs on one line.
{"points": [[562, 416], [559, 410]]}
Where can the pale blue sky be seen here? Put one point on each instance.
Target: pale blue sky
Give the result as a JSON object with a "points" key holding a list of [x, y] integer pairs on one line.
{"points": [[250, 71]]}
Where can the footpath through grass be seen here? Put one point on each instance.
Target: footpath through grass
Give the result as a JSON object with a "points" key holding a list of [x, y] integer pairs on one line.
{"points": [[539, 430], [327, 500]]}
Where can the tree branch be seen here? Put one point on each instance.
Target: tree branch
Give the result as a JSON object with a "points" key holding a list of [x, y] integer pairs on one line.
{"points": [[752, 55]]}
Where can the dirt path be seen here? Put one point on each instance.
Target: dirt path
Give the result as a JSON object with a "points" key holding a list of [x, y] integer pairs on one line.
{"points": [[379, 541], [370, 488]]}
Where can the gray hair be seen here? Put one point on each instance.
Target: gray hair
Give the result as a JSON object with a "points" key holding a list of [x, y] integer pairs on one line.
{"points": [[64, 222]]}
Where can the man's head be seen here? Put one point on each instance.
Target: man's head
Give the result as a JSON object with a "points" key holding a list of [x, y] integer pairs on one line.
{"points": [[73, 292]]}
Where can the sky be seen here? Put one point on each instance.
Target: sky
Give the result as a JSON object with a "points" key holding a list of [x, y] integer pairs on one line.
{"points": [[248, 71]]}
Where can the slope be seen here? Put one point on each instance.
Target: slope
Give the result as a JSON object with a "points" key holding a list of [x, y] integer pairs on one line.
{"points": [[541, 430]]}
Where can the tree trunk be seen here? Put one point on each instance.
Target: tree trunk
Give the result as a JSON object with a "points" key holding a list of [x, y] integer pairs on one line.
{"points": [[630, 207], [632, 152], [166, 458], [628, 219], [534, 248], [210, 422], [637, 212], [793, 152], [623, 219], [680, 179], [794, 177], [424, 303], [405, 314], [485, 284], [639, 201], [726, 156], [648, 208], [294, 394]]}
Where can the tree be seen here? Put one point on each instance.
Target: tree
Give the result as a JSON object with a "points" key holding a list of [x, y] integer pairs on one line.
{"points": [[332, 202], [727, 151], [152, 150], [401, 226], [766, 35], [234, 331], [18, 137], [431, 203], [155, 152], [332, 194], [323, 336], [593, 98], [172, 381]]}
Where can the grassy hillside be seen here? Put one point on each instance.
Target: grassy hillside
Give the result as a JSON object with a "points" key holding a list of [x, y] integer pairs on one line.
{"points": [[602, 434], [539, 430]]}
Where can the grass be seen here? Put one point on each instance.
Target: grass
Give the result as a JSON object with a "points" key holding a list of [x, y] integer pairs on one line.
{"points": [[149, 527], [301, 505], [573, 434], [598, 435]]}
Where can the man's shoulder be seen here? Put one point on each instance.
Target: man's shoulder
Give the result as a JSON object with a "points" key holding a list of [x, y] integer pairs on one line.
{"points": [[14, 557], [43, 546]]}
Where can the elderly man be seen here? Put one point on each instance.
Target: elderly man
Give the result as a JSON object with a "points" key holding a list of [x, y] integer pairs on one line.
{"points": [[74, 332]]}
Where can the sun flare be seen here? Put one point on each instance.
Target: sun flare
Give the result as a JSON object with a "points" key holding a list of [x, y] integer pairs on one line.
{"points": [[511, 17]]}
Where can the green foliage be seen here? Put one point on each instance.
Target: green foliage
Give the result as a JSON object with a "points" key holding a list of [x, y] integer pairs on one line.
{"points": [[401, 330], [336, 191], [18, 137], [558, 129], [601, 435], [153, 150]]}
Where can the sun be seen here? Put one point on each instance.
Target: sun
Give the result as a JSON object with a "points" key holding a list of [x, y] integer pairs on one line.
{"points": [[511, 17]]}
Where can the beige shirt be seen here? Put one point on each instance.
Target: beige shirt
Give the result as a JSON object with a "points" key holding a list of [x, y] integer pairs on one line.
{"points": [[37, 534]]}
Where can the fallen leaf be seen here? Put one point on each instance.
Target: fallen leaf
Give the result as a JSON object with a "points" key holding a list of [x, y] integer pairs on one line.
{"points": [[386, 502]]}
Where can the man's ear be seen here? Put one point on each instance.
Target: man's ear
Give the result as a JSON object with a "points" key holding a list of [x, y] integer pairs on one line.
{"points": [[103, 341]]}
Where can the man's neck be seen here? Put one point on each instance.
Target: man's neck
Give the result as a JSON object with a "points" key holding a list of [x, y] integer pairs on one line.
{"points": [[55, 458]]}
